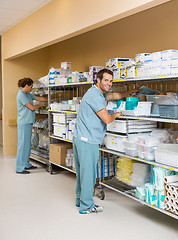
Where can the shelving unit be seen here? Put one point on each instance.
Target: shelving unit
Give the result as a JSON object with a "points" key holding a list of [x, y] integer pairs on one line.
{"points": [[113, 183], [37, 153], [139, 159], [155, 119]]}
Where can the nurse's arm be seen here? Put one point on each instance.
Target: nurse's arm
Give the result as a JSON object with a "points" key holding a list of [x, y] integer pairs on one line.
{"points": [[41, 99], [103, 114], [33, 107], [120, 95]]}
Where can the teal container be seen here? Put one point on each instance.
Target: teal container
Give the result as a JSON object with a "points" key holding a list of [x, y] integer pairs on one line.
{"points": [[118, 104], [131, 103]]}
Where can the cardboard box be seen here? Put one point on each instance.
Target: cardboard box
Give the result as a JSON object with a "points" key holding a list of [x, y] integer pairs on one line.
{"points": [[57, 152]]}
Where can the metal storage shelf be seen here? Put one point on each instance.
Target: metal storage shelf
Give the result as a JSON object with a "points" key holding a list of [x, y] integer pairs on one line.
{"points": [[155, 119], [40, 158], [41, 111], [112, 185], [139, 159], [70, 84], [64, 167], [156, 78], [60, 138], [108, 184], [38, 154], [42, 128], [62, 111]]}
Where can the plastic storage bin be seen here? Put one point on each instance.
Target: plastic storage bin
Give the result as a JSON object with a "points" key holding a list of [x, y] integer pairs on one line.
{"points": [[141, 154], [167, 154], [156, 99], [134, 126], [115, 142], [59, 118], [131, 145], [131, 152], [143, 109], [60, 130], [168, 111]]}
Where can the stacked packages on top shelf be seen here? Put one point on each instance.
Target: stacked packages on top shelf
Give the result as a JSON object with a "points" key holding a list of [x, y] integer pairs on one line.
{"points": [[64, 75], [163, 63]]}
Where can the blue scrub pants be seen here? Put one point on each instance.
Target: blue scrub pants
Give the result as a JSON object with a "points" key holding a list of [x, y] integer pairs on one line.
{"points": [[24, 147], [86, 156]]}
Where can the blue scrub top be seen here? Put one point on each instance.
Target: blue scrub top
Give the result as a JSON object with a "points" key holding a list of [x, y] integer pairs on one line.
{"points": [[89, 127], [25, 115]]}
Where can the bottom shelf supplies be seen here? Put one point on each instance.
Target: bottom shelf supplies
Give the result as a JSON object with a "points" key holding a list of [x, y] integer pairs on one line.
{"points": [[131, 172], [124, 169], [171, 194], [58, 153], [153, 192], [107, 166], [158, 176], [140, 174]]}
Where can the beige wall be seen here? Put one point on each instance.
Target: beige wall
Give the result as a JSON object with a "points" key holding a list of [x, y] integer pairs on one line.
{"points": [[62, 19], [151, 30], [33, 65], [0, 83]]}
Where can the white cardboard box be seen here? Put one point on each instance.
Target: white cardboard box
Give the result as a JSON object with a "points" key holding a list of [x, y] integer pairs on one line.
{"points": [[66, 65]]}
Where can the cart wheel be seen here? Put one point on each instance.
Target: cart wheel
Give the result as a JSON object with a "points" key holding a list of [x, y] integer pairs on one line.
{"points": [[101, 195], [49, 169]]}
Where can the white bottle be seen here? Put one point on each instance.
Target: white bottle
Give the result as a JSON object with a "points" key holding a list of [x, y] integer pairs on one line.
{"points": [[68, 160]]}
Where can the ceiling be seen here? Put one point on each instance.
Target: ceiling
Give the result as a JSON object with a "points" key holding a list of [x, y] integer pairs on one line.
{"points": [[14, 11]]}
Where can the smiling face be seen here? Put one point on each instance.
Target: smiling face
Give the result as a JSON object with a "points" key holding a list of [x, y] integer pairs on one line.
{"points": [[105, 84]]}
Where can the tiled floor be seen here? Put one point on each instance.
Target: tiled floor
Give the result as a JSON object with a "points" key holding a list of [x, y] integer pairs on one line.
{"points": [[41, 206]]}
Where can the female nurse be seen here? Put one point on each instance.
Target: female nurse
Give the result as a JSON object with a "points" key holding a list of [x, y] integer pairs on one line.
{"points": [[25, 120]]}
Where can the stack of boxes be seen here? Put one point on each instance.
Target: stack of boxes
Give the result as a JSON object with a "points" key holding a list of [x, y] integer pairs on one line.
{"points": [[64, 75], [118, 65], [61, 124], [163, 63]]}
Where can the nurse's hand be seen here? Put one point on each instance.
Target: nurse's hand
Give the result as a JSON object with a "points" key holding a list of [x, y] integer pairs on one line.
{"points": [[118, 114], [42, 105]]}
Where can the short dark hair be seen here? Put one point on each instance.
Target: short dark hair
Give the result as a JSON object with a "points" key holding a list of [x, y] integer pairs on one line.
{"points": [[25, 81], [101, 72]]}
